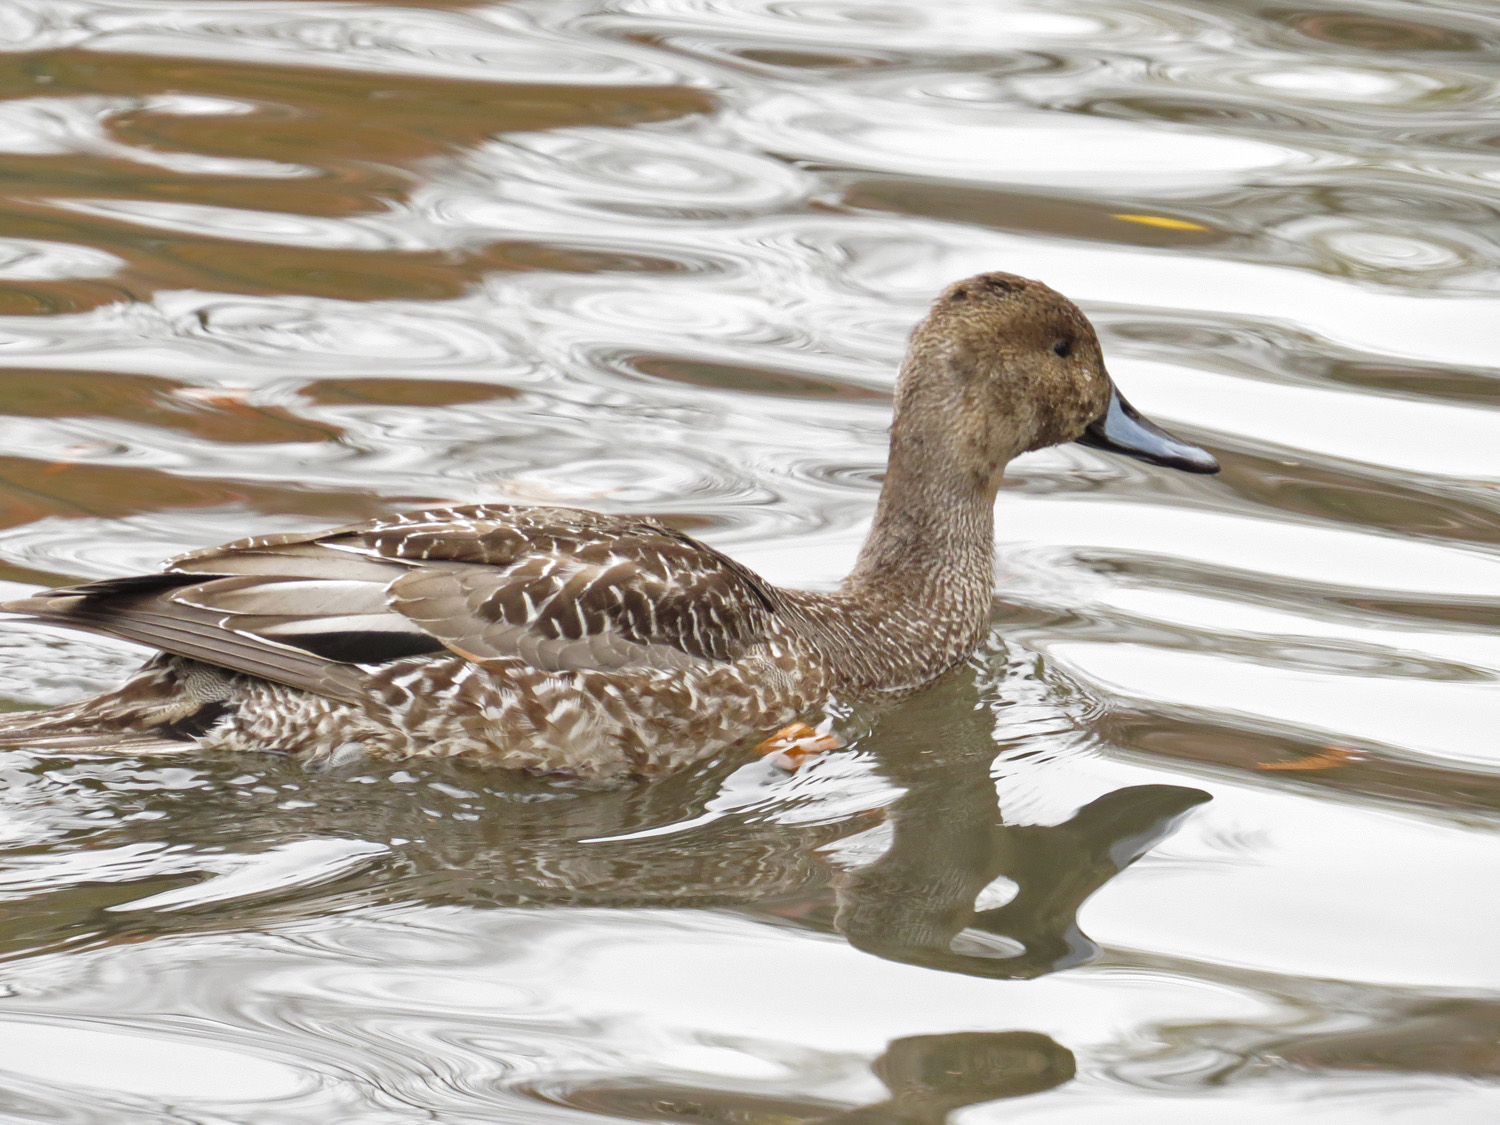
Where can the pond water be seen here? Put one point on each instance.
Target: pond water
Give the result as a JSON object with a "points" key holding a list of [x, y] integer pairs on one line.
{"points": [[1207, 832]]}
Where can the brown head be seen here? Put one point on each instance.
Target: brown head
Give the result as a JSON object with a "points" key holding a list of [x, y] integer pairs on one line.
{"points": [[1003, 365]]}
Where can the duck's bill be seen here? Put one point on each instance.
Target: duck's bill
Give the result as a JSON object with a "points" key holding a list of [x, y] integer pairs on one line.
{"points": [[1123, 429]]}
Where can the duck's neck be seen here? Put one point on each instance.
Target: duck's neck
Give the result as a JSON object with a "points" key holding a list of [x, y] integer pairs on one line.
{"points": [[929, 558]]}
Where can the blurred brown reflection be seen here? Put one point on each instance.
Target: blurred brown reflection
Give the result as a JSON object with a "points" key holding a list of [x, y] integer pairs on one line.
{"points": [[1241, 345], [1366, 499], [403, 392], [748, 380], [1032, 212], [30, 490], [928, 1077], [1371, 32], [1457, 1037], [219, 415], [1322, 1026], [347, 143], [1221, 744], [90, 478]]}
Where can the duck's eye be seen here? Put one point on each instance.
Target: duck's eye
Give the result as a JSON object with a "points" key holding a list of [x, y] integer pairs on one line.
{"points": [[1063, 348]]}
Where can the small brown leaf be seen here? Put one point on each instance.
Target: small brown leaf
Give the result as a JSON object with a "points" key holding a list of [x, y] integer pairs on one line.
{"points": [[1334, 754]]}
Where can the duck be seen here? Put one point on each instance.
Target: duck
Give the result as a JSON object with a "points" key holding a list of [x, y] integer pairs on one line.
{"points": [[599, 647]]}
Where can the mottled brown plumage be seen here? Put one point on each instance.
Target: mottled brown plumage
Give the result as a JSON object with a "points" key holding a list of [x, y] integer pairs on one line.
{"points": [[558, 640]]}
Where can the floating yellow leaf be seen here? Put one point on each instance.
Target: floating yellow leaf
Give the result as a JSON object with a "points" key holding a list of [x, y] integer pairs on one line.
{"points": [[1160, 221]]}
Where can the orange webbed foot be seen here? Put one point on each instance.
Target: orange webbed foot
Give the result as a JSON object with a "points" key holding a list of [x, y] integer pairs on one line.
{"points": [[794, 745]]}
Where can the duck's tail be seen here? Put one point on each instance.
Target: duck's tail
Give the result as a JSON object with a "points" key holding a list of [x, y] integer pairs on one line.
{"points": [[42, 737], [162, 708]]}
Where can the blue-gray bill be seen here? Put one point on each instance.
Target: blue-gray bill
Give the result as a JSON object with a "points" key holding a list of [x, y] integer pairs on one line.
{"points": [[1123, 429]]}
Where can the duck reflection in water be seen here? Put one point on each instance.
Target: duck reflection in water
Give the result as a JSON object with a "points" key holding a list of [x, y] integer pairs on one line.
{"points": [[459, 842], [918, 904]]}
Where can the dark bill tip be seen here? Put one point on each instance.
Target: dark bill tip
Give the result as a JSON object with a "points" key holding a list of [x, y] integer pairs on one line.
{"points": [[1123, 429]]}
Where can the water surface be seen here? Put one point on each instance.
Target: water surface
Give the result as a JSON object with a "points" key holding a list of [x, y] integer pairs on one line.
{"points": [[271, 265]]}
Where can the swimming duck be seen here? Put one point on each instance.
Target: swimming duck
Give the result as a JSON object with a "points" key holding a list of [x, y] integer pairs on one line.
{"points": [[603, 647]]}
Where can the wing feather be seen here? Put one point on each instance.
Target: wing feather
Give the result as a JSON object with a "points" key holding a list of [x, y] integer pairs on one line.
{"points": [[617, 592], [558, 588], [154, 620]]}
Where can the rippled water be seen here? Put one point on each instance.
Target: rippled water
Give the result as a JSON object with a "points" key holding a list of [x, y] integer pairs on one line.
{"points": [[275, 265]]}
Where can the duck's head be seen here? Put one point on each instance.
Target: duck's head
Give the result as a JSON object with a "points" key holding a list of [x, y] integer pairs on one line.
{"points": [[1003, 365]]}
